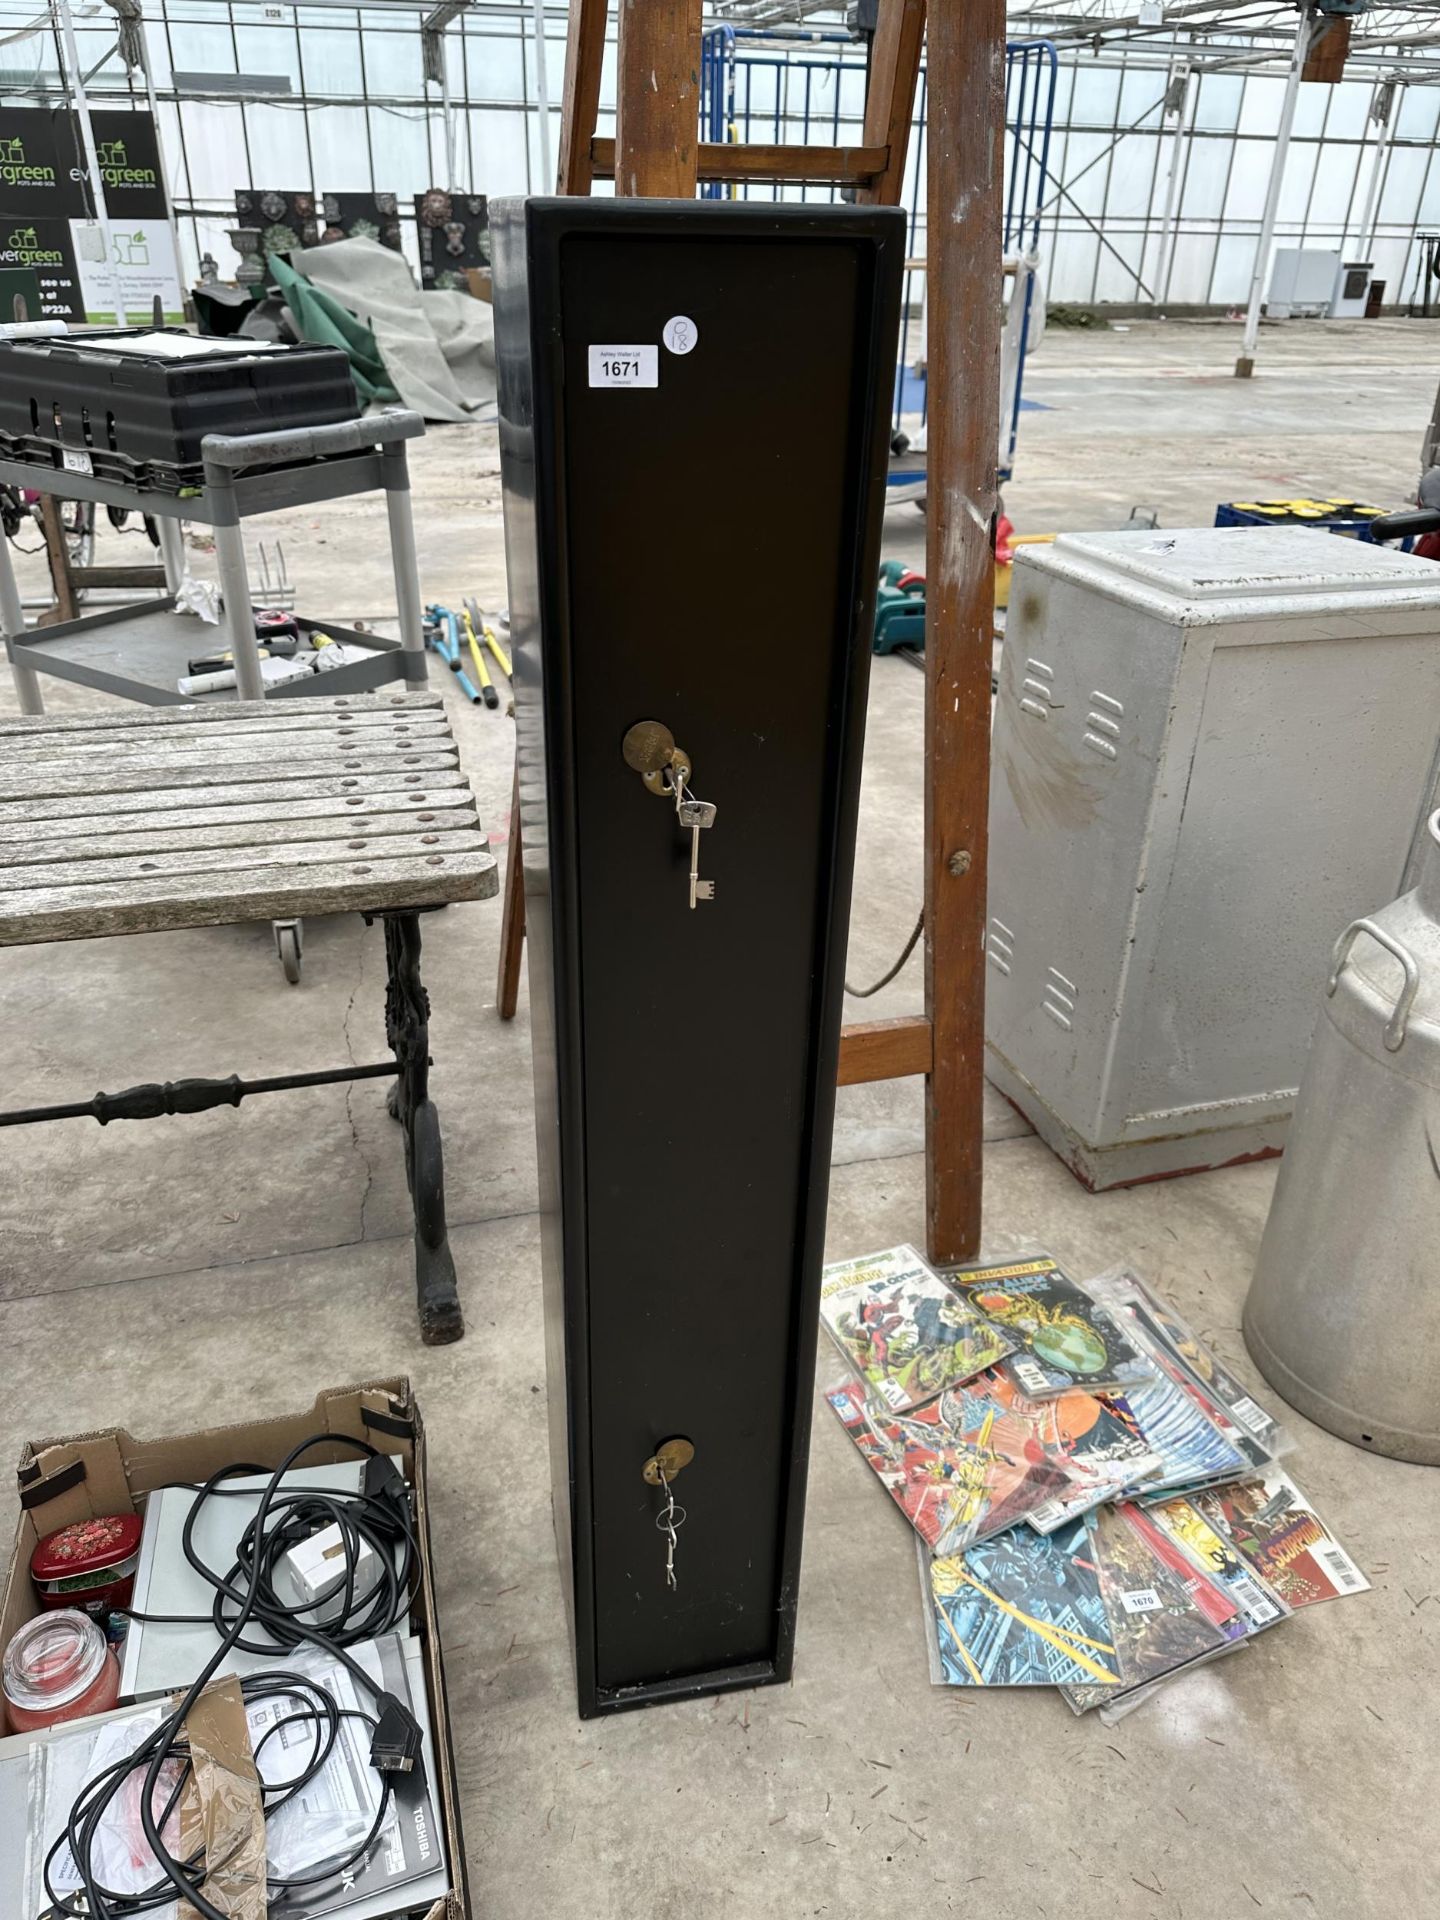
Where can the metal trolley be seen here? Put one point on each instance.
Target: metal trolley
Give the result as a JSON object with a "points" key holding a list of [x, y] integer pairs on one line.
{"points": [[806, 86]]}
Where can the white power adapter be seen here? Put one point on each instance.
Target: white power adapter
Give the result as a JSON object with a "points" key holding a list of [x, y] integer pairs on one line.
{"points": [[312, 1573]]}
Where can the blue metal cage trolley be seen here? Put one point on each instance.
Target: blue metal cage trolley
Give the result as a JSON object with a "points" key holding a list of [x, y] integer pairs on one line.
{"points": [[806, 86]]}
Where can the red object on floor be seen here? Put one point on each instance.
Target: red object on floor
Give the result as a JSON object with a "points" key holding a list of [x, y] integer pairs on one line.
{"points": [[1004, 531], [1427, 546]]}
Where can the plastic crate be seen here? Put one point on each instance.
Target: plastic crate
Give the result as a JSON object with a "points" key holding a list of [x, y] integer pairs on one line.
{"points": [[1349, 517], [91, 404]]}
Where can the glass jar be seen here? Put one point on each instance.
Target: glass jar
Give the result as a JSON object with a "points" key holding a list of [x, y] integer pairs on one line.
{"points": [[57, 1667]]}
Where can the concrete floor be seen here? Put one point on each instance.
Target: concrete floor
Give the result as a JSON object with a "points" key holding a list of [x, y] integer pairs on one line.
{"points": [[189, 1272]]}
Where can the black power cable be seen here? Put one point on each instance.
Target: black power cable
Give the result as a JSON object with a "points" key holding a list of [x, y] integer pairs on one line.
{"points": [[316, 1707], [864, 993], [378, 1519]]}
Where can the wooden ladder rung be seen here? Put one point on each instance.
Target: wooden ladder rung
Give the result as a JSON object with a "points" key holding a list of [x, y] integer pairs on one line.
{"points": [[885, 1050], [822, 166]]}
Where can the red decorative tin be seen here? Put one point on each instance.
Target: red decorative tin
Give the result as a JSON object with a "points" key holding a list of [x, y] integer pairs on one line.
{"points": [[89, 1564]]}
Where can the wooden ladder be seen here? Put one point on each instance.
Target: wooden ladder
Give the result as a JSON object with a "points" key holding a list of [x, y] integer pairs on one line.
{"points": [[657, 152]]}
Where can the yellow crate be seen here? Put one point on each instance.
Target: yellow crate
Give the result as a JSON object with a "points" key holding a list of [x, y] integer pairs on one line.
{"points": [[1004, 571]]}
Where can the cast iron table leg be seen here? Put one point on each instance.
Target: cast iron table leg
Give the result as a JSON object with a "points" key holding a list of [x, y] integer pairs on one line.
{"points": [[407, 1028]]}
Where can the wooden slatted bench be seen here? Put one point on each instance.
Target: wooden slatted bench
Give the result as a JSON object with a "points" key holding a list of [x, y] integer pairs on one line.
{"points": [[206, 815]]}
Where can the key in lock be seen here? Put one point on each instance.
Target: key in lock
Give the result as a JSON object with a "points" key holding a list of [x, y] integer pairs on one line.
{"points": [[649, 749], [697, 815]]}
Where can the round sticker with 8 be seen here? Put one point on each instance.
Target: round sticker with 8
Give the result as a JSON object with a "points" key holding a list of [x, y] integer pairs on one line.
{"points": [[680, 334]]}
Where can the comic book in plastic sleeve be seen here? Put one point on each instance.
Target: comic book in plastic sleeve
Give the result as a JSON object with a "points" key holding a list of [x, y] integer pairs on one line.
{"points": [[1219, 1606], [906, 1332], [1131, 1311], [1262, 1438], [1067, 1339], [1156, 1625], [960, 1469], [1193, 1450], [1278, 1534], [1018, 1611], [1214, 1554], [1095, 1435]]}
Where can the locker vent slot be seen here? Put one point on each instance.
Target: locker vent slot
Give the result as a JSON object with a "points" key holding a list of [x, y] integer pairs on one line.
{"points": [[1058, 998]]}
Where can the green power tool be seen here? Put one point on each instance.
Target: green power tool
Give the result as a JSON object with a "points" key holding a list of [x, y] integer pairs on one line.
{"points": [[899, 608]]}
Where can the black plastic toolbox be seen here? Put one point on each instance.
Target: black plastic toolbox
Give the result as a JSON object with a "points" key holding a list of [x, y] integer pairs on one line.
{"points": [[138, 417]]}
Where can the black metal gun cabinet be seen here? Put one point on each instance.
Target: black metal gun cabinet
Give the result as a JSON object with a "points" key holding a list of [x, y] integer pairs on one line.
{"points": [[694, 417]]}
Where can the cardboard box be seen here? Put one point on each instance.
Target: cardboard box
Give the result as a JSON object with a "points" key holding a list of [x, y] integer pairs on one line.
{"points": [[110, 1471]]}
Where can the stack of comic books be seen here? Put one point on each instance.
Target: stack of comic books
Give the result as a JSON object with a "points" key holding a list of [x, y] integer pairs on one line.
{"points": [[960, 1449], [1154, 1429], [1098, 1501], [1145, 1593]]}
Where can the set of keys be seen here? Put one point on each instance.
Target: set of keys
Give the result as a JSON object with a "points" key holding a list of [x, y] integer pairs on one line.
{"points": [[649, 748], [660, 1470]]}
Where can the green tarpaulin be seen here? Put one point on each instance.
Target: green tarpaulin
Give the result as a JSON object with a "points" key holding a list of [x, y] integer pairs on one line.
{"points": [[320, 317]]}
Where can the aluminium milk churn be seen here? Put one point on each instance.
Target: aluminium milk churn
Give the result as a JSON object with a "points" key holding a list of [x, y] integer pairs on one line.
{"points": [[1343, 1317]]}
